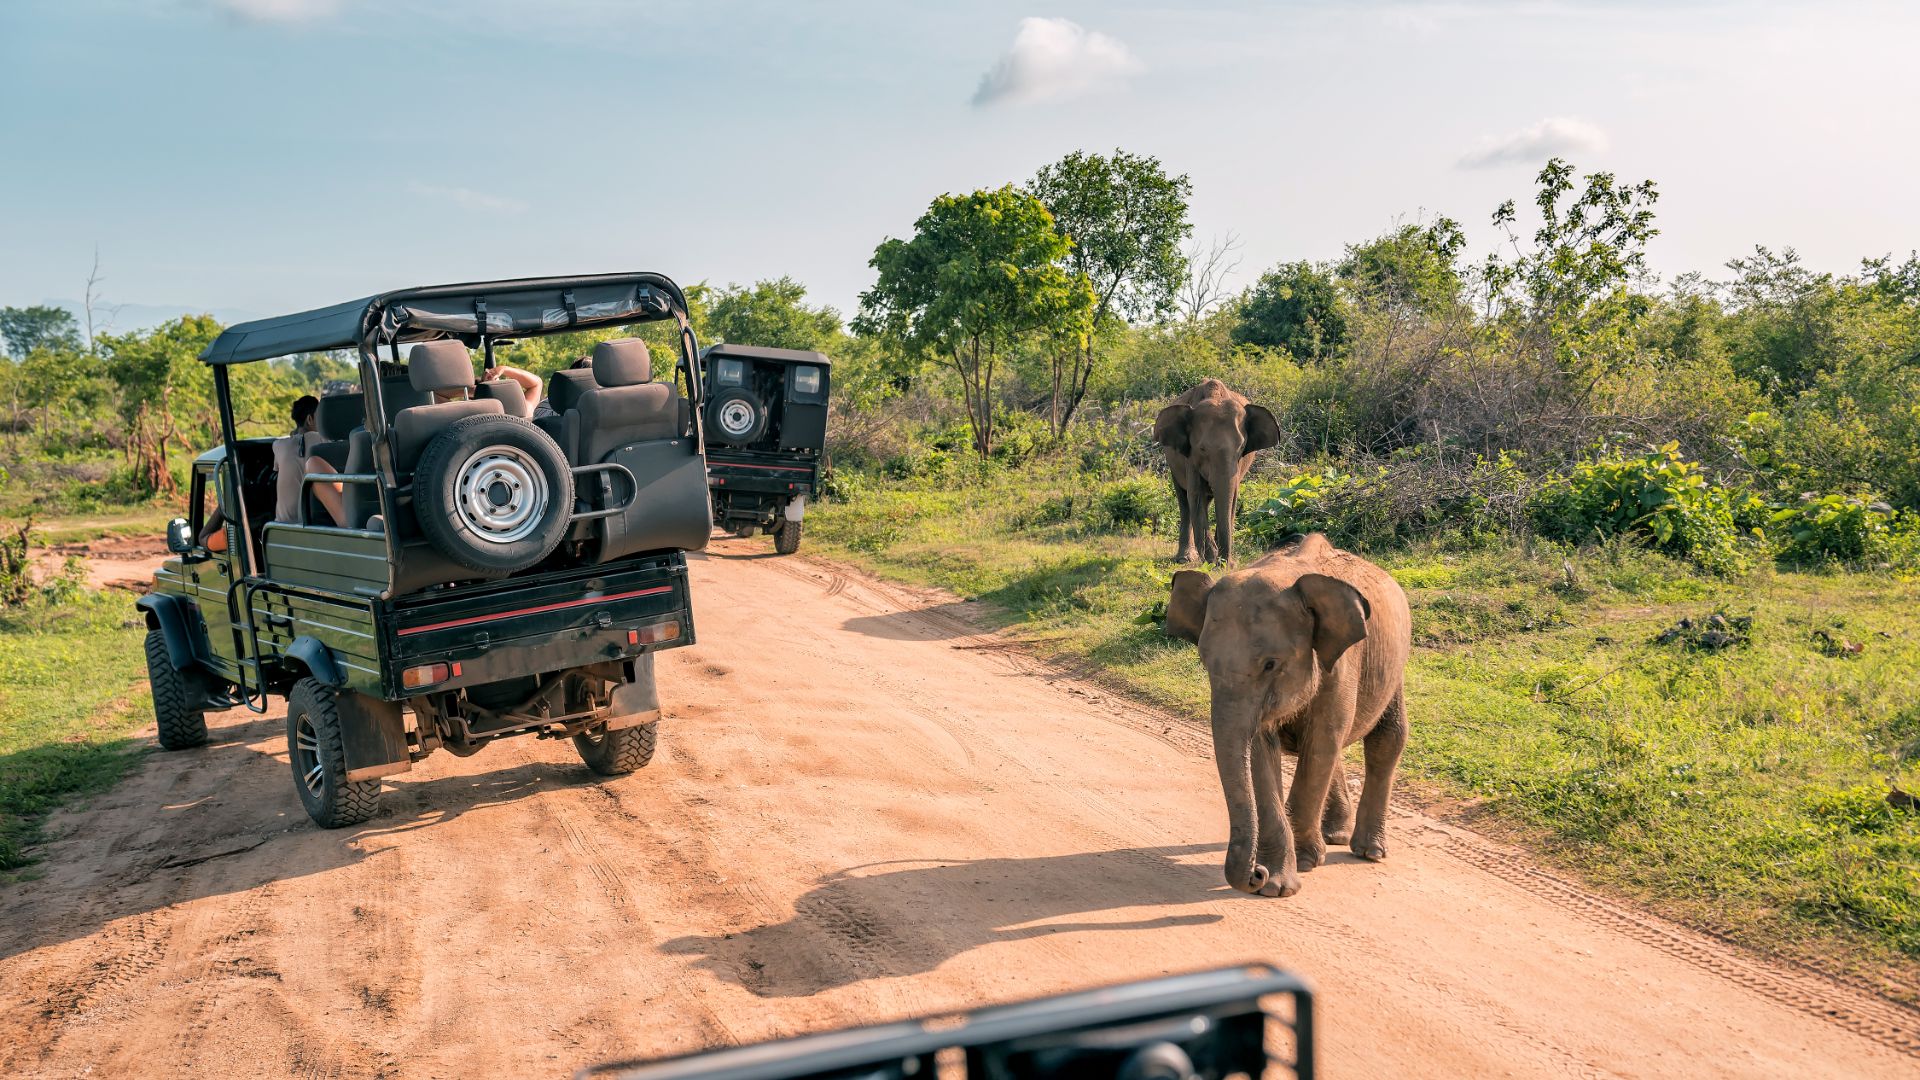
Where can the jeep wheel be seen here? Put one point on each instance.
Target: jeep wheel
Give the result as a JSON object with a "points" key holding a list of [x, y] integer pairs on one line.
{"points": [[319, 766], [493, 493], [737, 417], [617, 753], [180, 727], [786, 536]]}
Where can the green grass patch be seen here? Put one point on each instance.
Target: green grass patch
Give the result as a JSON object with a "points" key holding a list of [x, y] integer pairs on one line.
{"points": [[66, 712], [1743, 789]]}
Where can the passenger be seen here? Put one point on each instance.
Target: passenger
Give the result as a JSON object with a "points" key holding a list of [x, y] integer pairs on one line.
{"points": [[289, 451], [213, 535]]}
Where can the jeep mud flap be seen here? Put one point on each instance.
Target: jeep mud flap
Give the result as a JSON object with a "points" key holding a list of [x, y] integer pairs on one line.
{"points": [[637, 702], [373, 737]]}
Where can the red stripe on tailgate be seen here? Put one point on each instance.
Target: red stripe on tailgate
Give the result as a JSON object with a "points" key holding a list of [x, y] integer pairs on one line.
{"points": [[536, 610], [770, 468]]}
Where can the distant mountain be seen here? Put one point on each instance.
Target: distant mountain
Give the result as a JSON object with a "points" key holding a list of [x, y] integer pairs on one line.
{"points": [[120, 318]]}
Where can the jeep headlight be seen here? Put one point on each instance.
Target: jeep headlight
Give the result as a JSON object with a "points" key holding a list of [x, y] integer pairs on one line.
{"points": [[806, 379]]}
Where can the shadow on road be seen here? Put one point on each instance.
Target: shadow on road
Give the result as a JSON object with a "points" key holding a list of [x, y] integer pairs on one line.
{"points": [[948, 620], [880, 922]]}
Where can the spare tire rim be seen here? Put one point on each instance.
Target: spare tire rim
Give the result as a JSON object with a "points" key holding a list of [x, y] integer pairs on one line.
{"points": [[500, 494], [736, 417]]}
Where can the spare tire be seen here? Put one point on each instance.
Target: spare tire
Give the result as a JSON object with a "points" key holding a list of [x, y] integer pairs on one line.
{"points": [[736, 417], [493, 493]]}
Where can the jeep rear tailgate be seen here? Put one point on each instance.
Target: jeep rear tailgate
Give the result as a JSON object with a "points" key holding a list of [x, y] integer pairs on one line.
{"points": [[533, 625]]}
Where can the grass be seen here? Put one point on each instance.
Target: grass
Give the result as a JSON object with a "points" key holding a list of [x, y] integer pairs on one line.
{"points": [[66, 708], [1743, 790]]}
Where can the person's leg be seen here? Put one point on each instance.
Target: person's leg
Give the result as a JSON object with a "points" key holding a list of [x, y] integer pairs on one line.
{"points": [[332, 496]]}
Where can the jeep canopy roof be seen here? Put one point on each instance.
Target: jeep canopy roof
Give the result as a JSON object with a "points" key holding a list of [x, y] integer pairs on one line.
{"points": [[761, 352], [524, 307]]}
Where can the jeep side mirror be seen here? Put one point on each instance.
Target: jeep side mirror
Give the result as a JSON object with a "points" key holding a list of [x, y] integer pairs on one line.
{"points": [[179, 536]]}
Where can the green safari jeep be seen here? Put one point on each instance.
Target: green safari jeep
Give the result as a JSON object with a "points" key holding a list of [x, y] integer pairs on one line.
{"points": [[468, 570]]}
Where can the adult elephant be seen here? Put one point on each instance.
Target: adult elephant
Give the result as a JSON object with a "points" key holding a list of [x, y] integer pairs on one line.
{"points": [[1210, 435]]}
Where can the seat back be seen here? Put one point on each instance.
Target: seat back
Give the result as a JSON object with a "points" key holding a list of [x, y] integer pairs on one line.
{"points": [[509, 394], [435, 367], [627, 408], [333, 421], [564, 387]]}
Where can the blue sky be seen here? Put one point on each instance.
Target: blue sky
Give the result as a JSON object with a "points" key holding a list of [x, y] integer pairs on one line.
{"points": [[255, 156]]}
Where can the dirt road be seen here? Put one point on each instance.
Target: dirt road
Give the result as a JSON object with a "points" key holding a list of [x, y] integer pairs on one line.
{"points": [[862, 809]]}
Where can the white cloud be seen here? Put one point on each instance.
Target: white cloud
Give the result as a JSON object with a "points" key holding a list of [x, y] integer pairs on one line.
{"points": [[467, 198], [278, 11], [1054, 59], [1556, 136]]}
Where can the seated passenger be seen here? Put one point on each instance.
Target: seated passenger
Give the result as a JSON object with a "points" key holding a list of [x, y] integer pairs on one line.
{"points": [[289, 453], [213, 536]]}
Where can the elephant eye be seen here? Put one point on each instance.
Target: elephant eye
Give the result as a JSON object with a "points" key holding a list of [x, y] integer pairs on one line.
{"points": [[1269, 665]]}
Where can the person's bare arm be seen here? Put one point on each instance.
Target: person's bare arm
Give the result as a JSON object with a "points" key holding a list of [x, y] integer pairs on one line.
{"points": [[528, 381]]}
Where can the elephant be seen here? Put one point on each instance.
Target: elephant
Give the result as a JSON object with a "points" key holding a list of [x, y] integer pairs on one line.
{"points": [[1211, 434], [1306, 651]]}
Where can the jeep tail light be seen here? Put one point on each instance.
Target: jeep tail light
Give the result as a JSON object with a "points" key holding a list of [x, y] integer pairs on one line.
{"points": [[414, 678], [654, 633]]}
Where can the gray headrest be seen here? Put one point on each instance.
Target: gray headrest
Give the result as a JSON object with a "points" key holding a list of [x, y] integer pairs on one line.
{"points": [[622, 362], [509, 394], [339, 414], [440, 366], [566, 386]]}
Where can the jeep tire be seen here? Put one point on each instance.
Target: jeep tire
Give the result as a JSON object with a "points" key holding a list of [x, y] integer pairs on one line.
{"points": [[786, 536], [617, 753], [493, 493], [180, 727], [319, 764], [736, 417]]}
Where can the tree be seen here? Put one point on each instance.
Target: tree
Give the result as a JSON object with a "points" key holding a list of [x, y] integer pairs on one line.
{"points": [[1411, 271], [25, 329], [1208, 269], [1296, 307], [773, 314], [982, 271], [1126, 219]]}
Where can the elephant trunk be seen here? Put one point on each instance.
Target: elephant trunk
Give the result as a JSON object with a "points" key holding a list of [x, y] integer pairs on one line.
{"points": [[1233, 754]]}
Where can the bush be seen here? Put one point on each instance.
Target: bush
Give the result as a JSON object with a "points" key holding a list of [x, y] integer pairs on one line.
{"points": [[1840, 529], [1136, 504], [1658, 496]]}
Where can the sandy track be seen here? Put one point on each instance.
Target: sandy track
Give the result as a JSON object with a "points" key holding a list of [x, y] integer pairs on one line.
{"points": [[862, 809]]}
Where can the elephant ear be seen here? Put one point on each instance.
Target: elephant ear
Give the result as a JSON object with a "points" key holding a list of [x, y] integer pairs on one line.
{"points": [[1340, 615], [1187, 607], [1262, 429], [1172, 428]]}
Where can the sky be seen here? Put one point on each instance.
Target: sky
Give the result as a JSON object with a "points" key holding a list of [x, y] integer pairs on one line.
{"points": [[252, 157]]}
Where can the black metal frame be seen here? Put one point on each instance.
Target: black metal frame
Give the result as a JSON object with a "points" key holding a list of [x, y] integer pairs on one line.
{"points": [[1196, 1005]]}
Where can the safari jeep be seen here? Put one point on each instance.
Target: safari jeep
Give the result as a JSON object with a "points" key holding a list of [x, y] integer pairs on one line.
{"points": [[490, 574], [766, 426]]}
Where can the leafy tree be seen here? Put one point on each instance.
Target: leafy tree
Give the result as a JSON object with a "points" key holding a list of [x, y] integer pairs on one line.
{"points": [[1411, 271], [1570, 292], [771, 313], [1296, 307], [25, 329], [1126, 219], [982, 271]]}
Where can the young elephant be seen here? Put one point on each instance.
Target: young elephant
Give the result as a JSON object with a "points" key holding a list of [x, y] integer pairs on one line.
{"points": [[1210, 435], [1305, 652]]}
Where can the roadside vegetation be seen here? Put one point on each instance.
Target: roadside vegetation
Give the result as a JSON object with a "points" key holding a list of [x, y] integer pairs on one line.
{"points": [[1662, 538]]}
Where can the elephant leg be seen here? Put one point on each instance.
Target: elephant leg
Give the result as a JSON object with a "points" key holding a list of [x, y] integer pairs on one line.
{"points": [[1185, 552], [1224, 505], [1312, 775], [1202, 535], [1275, 843], [1337, 822], [1384, 745]]}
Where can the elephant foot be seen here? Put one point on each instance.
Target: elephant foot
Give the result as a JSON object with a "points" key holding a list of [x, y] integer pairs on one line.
{"points": [[1287, 884], [1337, 837], [1371, 847], [1184, 557], [1309, 856]]}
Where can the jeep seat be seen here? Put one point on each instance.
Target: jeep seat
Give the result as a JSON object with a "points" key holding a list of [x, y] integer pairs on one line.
{"points": [[334, 421], [628, 407], [509, 394], [435, 367]]}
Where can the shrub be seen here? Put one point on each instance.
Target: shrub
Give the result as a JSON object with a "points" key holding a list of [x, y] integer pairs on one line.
{"points": [[1657, 496], [1837, 528], [1136, 503]]}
